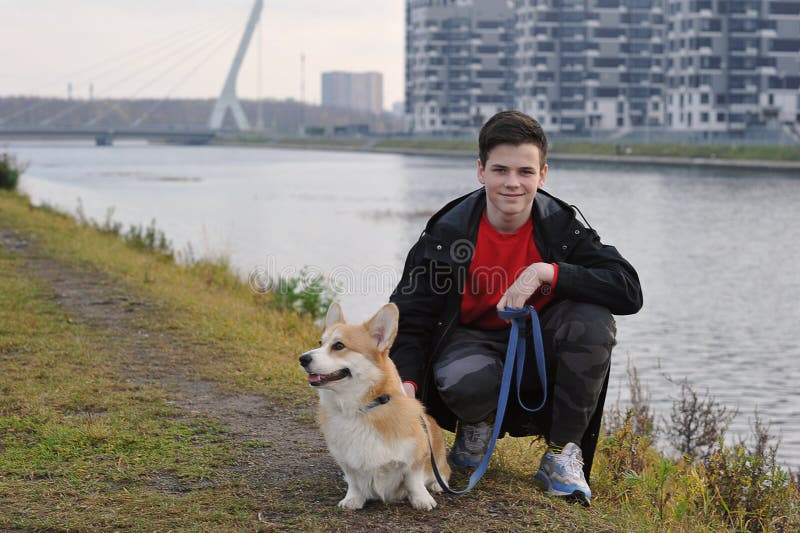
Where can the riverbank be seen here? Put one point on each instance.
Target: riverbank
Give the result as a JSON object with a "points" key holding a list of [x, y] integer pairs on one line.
{"points": [[141, 394], [773, 158]]}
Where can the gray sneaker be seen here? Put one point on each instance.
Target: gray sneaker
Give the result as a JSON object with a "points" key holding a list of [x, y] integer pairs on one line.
{"points": [[471, 443], [562, 474]]}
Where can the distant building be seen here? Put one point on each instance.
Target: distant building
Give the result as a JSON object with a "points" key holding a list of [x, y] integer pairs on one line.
{"points": [[399, 109], [583, 66], [590, 64], [359, 91], [731, 64], [459, 68]]}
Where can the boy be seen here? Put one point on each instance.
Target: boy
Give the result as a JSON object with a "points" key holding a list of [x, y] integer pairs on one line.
{"points": [[508, 244]]}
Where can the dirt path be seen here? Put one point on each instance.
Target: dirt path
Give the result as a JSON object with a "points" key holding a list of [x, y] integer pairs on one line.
{"points": [[282, 451]]}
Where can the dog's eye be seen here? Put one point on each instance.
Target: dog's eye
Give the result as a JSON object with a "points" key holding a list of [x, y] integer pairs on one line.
{"points": [[337, 346], [320, 342]]}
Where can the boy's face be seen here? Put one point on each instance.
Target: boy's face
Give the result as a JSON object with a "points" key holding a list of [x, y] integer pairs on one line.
{"points": [[512, 176]]}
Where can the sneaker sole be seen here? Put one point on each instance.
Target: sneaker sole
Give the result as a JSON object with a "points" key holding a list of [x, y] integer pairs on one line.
{"points": [[576, 495], [459, 464]]}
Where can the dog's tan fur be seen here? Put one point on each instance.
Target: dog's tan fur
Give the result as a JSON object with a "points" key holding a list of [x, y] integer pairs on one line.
{"points": [[395, 460]]}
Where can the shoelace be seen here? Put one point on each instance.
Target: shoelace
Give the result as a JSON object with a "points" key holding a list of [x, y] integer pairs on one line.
{"points": [[571, 462]]}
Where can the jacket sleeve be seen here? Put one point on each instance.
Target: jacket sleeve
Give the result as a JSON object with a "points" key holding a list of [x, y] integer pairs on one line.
{"points": [[596, 273], [420, 304]]}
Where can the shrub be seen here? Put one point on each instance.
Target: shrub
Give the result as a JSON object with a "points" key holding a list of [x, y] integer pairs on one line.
{"points": [[307, 293], [697, 424], [748, 487], [10, 171], [148, 238]]}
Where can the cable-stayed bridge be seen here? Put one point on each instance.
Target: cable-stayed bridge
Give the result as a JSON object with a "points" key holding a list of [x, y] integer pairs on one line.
{"points": [[184, 52]]}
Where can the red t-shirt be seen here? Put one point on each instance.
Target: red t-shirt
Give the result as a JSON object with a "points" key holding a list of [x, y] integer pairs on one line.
{"points": [[498, 260]]}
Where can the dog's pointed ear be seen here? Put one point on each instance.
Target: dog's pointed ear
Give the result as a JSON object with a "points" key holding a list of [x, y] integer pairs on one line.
{"points": [[334, 315], [383, 326]]}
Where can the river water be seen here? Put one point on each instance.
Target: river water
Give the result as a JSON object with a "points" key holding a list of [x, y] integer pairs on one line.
{"points": [[716, 250]]}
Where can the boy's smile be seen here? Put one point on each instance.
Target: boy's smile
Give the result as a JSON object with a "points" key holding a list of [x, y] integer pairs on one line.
{"points": [[512, 176]]}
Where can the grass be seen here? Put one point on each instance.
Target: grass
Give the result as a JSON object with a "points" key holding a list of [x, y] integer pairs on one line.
{"points": [[81, 448], [557, 148], [766, 153]]}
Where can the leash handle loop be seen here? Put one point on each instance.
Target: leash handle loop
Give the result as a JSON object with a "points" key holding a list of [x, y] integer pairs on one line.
{"points": [[514, 353]]}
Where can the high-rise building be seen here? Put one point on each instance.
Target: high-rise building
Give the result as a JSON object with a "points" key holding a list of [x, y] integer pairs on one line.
{"points": [[582, 66], [459, 68], [361, 91], [732, 64], [590, 64]]}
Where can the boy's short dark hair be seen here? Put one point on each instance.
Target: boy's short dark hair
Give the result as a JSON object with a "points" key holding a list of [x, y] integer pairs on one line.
{"points": [[511, 127]]}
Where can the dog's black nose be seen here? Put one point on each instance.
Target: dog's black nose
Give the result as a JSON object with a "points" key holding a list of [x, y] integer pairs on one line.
{"points": [[305, 359]]}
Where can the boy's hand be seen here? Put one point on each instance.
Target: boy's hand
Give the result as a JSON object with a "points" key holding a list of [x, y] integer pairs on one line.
{"points": [[409, 389], [525, 285]]}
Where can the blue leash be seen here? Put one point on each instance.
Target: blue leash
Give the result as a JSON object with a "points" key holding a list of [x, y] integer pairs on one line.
{"points": [[515, 352]]}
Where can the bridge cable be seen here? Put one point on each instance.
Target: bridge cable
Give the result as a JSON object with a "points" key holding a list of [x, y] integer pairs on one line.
{"points": [[225, 34], [118, 64], [162, 55], [183, 80]]}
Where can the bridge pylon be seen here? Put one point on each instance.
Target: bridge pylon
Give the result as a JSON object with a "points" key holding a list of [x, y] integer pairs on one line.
{"points": [[228, 99]]}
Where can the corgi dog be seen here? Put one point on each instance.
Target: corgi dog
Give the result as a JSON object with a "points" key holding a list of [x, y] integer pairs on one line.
{"points": [[373, 430]]}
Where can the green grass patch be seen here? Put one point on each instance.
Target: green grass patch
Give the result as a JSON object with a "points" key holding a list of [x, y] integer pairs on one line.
{"points": [[765, 153], [81, 449]]}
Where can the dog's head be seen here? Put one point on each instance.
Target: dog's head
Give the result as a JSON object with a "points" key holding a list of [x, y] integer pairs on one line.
{"points": [[351, 353]]}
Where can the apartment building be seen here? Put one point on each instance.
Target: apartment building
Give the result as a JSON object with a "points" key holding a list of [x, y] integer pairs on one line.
{"points": [[459, 63], [603, 65], [590, 64], [358, 91], [731, 64]]}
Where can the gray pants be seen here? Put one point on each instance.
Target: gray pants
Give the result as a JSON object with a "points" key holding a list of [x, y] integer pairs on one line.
{"points": [[578, 338]]}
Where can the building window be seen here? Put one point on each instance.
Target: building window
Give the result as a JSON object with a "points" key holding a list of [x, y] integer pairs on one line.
{"points": [[704, 98], [704, 117], [720, 117]]}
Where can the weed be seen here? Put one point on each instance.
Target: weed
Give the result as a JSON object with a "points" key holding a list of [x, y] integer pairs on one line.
{"points": [[10, 171], [307, 293], [639, 414], [696, 423], [148, 238], [749, 488]]}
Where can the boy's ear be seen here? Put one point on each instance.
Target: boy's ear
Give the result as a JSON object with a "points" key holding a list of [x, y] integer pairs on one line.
{"points": [[334, 315], [481, 179], [383, 326], [543, 176]]}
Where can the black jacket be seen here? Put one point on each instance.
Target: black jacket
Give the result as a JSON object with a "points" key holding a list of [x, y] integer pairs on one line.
{"points": [[429, 293]]}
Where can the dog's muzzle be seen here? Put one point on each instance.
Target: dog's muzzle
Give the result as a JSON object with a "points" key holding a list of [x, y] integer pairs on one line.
{"points": [[315, 380]]}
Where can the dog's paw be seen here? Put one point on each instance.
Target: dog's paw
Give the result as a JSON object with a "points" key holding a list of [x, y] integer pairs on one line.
{"points": [[434, 486], [423, 503], [350, 502]]}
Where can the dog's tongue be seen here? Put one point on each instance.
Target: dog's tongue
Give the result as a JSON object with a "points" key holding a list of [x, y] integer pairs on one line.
{"points": [[314, 378]]}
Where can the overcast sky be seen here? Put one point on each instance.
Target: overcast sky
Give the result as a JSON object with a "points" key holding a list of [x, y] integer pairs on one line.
{"points": [[152, 48]]}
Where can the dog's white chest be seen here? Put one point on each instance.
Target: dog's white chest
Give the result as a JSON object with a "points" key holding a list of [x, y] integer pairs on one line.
{"points": [[357, 445]]}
